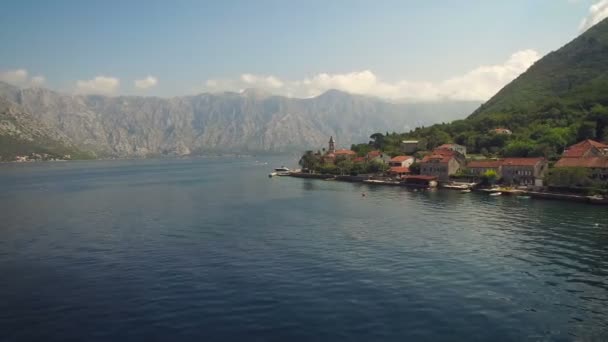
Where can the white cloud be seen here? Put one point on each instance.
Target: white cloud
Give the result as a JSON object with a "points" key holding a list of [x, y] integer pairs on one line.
{"points": [[597, 12], [99, 85], [37, 81], [478, 84], [20, 78], [148, 82], [263, 82]]}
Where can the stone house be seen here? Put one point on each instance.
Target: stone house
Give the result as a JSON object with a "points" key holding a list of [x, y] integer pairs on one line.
{"points": [[598, 166], [524, 171], [442, 163]]}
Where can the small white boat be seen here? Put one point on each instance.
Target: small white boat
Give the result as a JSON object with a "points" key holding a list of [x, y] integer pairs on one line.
{"points": [[465, 191], [496, 193], [280, 171], [374, 181]]}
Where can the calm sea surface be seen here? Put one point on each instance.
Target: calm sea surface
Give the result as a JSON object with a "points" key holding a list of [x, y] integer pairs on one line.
{"points": [[212, 250]]}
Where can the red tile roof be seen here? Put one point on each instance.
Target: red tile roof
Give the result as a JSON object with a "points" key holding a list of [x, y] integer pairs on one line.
{"points": [[597, 143], [359, 160], [590, 162], [501, 130], [398, 169], [580, 149], [400, 159], [443, 155], [485, 164], [521, 161], [343, 152]]}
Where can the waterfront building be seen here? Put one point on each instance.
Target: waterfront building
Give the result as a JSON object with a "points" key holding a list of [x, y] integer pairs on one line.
{"points": [[478, 168], [524, 171], [442, 163], [598, 166]]}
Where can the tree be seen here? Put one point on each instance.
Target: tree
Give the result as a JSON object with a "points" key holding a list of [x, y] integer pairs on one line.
{"points": [[415, 168], [358, 168], [569, 177], [376, 166], [437, 138], [344, 165], [328, 169], [586, 130], [377, 140], [489, 177], [518, 148], [309, 161], [599, 113], [361, 149]]}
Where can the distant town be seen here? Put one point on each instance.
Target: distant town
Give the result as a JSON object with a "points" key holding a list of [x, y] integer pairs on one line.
{"points": [[581, 173], [34, 157]]}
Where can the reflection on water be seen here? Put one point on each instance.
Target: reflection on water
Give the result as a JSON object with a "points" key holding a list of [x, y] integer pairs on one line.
{"points": [[211, 249]]}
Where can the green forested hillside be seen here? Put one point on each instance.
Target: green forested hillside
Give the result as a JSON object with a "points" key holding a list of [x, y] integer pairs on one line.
{"points": [[561, 99]]}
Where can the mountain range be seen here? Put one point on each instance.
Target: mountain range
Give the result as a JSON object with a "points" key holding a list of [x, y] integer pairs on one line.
{"points": [[246, 122]]}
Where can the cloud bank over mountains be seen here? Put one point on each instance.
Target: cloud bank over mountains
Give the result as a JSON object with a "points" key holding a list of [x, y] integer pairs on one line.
{"points": [[101, 85], [146, 83], [478, 84], [21, 78]]}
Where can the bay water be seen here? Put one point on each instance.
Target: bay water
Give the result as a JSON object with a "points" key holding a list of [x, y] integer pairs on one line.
{"points": [[211, 249]]}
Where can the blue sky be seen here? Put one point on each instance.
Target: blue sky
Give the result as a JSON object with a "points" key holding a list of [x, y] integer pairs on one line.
{"points": [[394, 49]]}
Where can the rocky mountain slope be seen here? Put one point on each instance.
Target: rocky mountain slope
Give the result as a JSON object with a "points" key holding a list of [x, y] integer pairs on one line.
{"points": [[21, 135], [247, 122]]}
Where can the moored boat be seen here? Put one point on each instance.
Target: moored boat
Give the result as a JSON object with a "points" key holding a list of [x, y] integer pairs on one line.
{"points": [[280, 171]]}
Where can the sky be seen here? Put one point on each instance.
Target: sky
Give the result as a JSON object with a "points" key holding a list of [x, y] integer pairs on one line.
{"points": [[415, 50]]}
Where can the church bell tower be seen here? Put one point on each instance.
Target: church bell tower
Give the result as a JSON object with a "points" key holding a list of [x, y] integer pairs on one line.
{"points": [[332, 145]]}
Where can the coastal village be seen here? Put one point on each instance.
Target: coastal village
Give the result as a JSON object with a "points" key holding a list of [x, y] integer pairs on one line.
{"points": [[448, 166]]}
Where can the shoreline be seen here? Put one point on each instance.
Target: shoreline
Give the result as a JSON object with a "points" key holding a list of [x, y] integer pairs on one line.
{"points": [[544, 195]]}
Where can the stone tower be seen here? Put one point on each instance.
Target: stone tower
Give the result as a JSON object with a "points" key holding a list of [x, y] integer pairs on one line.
{"points": [[332, 145]]}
